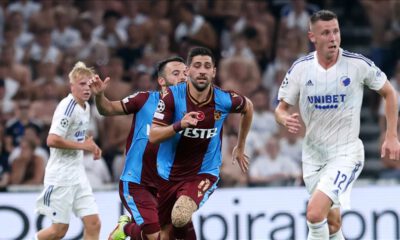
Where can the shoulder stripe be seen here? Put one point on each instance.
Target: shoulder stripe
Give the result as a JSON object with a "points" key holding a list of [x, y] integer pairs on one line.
{"points": [[357, 55], [71, 102], [302, 59], [70, 108]]}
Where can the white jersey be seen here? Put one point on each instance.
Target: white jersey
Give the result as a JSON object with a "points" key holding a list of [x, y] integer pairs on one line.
{"points": [[330, 102], [65, 166]]}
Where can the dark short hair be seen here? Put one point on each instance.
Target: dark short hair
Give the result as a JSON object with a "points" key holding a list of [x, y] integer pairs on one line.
{"points": [[199, 51], [322, 15], [161, 65]]}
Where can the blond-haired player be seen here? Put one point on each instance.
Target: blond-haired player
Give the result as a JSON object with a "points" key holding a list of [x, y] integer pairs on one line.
{"points": [[66, 187]]}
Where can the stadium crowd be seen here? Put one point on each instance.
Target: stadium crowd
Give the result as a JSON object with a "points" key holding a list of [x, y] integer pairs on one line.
{"points": [[255, 41]]}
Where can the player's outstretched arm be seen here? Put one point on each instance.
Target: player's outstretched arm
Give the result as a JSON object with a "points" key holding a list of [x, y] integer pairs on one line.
{"points": [[56, 141], [244, 128], [103, 104], [391, 145], [159, 133], [284, 118]]}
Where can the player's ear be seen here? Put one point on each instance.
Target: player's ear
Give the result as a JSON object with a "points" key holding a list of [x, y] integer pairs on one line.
{"points": [[311, 36], [214, 72], [161, 81]]}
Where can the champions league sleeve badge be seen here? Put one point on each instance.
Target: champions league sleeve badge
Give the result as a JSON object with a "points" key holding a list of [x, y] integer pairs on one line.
{"points": [[64, 122]]}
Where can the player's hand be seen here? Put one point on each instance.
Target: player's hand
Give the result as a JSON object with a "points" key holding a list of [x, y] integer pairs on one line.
{"points": [[97, 153], [97, 85], [190, 119], [239, 156], [391, 149], [292, 123]]}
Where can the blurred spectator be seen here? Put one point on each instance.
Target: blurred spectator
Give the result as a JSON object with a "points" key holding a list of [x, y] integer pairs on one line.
{"points": [[4, 166], [159, 48], [116, 133], [11, 86], [23, 36], [96, 170], [109, 32], [26, 8], [93, 51], [264, 125], [272, 168], [144, 82], [283, 59], [15, 127], [244, 72], [47, 76], [64, 36], [27, 168], [392, 35], [118, 88], [131, 16], [296, 15], [231, 174], [69, 7], [159, 20], [6, 105], [291, 146], [42, 109], [44, 18], [379, 16], [195, 27], [10, 40], [31, 134], [132, 51], [239, 48], [42, 50], [2, 20], [16, 71], [395, 81]]}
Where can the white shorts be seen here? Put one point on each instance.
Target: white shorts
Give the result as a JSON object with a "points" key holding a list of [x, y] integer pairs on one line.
{"points": [[57, 202], [335, 178]]}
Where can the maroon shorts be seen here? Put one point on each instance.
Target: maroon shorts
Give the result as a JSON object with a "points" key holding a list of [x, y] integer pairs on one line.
{"points": [[198, 188], [141, 202]]}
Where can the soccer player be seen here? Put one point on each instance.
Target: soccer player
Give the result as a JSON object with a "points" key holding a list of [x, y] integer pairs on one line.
{"points": [[138, 185], [188, 124], [66, 187], [328, 85]]}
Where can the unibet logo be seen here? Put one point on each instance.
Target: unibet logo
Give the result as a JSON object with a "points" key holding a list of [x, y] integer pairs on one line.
{"points": [[199, 132]]}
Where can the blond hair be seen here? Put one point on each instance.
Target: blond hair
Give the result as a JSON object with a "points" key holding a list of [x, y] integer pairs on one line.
{"points": [[80, 70]]}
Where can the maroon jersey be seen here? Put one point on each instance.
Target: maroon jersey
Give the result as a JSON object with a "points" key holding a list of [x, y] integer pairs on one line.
{"points": [[194, 150]]}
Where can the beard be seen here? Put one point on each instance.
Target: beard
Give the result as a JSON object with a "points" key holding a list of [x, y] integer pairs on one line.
{"points": [[199, 86]]}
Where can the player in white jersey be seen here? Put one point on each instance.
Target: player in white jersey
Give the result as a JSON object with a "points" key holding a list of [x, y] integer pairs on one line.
{"points": [[66, 187], [328, 85]]}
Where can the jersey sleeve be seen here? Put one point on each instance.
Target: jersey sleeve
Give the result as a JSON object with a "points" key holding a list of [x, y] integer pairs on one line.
{"points": [[238, 102], [374, 77], [62, 119], [133, 103], [164, 113], [289, 90]]}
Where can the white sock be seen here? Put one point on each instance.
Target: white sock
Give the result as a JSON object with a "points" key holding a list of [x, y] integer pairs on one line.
{"points": [[36, 237], [318, 231], [337, 235]]}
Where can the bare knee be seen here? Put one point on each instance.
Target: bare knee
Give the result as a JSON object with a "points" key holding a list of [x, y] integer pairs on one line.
{"points": [[314, 215], [182, 211]]}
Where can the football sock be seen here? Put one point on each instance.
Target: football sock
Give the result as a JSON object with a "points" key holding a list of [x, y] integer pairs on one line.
{"points": [[337, 235], [318, 231]]}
